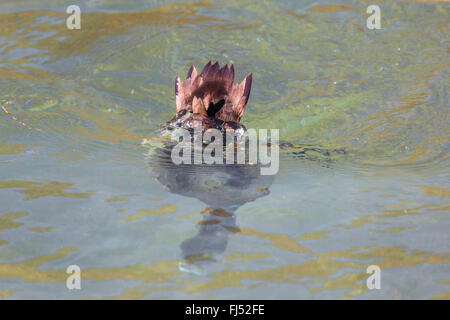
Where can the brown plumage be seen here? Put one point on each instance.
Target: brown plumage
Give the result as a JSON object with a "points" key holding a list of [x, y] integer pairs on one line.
{"points": [[213, 93]]}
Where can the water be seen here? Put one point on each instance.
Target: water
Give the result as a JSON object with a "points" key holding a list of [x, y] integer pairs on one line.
{"points": [[78, 188]]}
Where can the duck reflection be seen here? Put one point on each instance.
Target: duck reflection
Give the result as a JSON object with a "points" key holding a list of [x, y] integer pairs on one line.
{"points": [[223, 188]]}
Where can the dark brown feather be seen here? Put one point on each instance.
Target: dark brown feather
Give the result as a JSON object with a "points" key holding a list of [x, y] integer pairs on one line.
{"points": [[213, 88]]}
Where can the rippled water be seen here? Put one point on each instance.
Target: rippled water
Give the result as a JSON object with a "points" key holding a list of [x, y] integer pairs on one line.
{"points": [[78, 188]]}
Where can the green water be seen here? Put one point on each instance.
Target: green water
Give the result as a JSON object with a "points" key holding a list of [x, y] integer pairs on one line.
{"points": [[77, 187]]}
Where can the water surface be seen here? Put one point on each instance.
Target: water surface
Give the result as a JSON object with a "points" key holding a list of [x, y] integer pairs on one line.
{"points": [[77, 187]]}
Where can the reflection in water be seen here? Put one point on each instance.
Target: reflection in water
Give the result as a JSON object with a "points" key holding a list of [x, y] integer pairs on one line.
{"points": [[211, 238], [224, 188], [320, 77]]}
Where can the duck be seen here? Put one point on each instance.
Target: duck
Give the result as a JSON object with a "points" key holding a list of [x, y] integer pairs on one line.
{"points": [[211, 97]]}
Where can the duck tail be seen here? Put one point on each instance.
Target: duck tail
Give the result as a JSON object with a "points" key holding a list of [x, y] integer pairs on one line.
{"points": [[213, 91]]}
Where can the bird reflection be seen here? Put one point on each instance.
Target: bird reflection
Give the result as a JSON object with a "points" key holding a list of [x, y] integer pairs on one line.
{"points": [[223, 188]]}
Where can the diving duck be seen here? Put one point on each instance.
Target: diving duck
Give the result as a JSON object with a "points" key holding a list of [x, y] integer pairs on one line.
{"points": [[211, 97]]}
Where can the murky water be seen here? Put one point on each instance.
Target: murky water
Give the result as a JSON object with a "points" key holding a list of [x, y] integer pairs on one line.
{"points": [[78, 188]]}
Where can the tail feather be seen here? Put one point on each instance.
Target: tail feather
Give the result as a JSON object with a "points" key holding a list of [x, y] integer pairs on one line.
{"points": [[179, 94], [213, 92], [198, 107], [192, 73], [205, 69], [244, 93]]}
